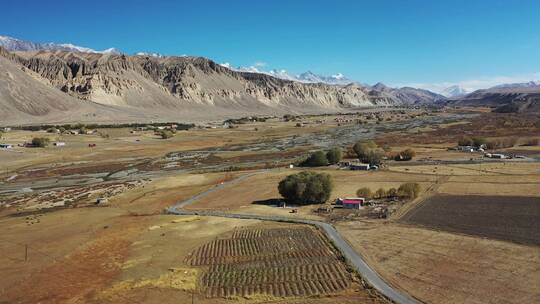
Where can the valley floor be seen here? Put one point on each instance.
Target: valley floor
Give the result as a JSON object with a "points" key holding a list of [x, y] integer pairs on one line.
{"points": [[59, 245]]}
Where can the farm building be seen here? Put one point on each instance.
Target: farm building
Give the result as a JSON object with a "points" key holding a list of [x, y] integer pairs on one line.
{"points": [[6, 146], [351, 202], [496, 155]]}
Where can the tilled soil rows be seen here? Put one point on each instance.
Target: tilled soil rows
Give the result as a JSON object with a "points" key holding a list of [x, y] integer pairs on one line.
{"points": [[280, 262], [509, 218]]}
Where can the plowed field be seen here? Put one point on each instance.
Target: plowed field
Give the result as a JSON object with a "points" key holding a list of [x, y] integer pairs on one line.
{"points": [[280, 262]]}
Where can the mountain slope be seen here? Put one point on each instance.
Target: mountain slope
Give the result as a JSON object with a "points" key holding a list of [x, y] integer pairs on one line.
{"points": [[515, 98], [26, 98]]}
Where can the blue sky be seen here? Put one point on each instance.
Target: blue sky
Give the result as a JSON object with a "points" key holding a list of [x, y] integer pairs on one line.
{"points": [[425, 43]]}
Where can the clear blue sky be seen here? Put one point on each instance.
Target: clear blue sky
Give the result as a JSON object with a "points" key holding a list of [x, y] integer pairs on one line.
{"points": [[390, 41]]}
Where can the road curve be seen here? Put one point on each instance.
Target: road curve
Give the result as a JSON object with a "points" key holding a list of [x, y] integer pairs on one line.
{"points": [[354, 259]]}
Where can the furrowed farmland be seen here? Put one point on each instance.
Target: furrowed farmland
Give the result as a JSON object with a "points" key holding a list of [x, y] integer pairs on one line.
{"points": [[278, 262], [510, 218]]}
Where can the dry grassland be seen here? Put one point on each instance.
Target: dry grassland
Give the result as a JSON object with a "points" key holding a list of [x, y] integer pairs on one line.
{"points": [[440, 267]]}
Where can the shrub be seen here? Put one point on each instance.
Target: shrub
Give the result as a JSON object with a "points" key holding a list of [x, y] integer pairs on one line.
{"points": [[392, 192], [306, 187], [41, 142], [465, 141], [380, 193], [165, 134], [405, 155], [316, 159], [364, 192], [334, 156], [478, 141], [531, 142], [410, 190]]}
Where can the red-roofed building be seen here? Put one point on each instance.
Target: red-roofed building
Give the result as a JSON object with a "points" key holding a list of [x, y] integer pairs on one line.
{"points": [[351, 202]]}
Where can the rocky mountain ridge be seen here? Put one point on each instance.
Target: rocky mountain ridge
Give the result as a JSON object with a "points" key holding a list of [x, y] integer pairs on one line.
{"points": [[187, 86]]}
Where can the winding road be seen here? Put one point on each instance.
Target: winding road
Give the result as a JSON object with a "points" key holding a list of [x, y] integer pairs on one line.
{"points": [[354, 259]]}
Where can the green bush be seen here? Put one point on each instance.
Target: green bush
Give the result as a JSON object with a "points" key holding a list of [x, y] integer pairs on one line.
{"points": [[316, 159], [306, 188], [410, 190], [364, 192], [334, 156], [41, 142]]}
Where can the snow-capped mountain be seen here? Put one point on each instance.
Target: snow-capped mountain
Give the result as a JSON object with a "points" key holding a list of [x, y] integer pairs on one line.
{"points": [[306, 77], [454, 91], [156, 55], [14, 44], [282, 74], [310, 77], [530, 84]]}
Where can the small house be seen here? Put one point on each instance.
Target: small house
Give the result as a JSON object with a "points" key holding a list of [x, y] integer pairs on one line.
{"points": [[351, 202], [466, 148]]}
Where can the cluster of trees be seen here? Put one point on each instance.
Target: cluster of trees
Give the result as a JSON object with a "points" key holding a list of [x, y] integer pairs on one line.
{"points": [[244, 120], [320, 158], [40, 142], [406, 190], [500, 143], [78, 126], [528, 142], [368, 152], [472, 141], [306, 188]]}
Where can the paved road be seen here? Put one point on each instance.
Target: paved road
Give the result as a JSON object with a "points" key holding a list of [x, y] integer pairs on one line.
{"points": [[354, 259]]}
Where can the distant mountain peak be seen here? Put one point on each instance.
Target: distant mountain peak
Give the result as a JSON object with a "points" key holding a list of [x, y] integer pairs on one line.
{"points": [[529, 84], [380, 86], [14, 44], [454, 91], [336, 79]]}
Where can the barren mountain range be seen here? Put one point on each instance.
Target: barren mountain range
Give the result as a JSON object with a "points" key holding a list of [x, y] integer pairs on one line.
{"points": [[58, 85], [515, 98], [45, 83]]}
